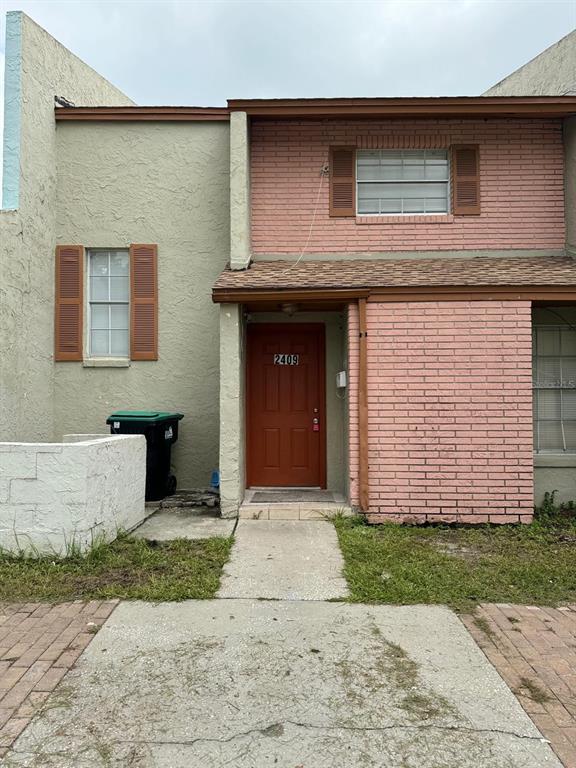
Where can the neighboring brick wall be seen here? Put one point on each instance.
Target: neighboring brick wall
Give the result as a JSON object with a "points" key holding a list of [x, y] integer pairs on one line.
{"points": [[450, 411], [521, 187]]}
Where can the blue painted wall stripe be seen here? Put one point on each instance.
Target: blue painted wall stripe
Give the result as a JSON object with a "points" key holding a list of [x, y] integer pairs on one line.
{"points": [[12, 111]]}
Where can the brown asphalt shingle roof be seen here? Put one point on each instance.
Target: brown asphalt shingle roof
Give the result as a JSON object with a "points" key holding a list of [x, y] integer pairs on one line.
{"points": [[405, 273]]}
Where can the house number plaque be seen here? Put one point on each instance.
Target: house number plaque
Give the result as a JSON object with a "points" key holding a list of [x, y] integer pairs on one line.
{"points": [[286, 359]]}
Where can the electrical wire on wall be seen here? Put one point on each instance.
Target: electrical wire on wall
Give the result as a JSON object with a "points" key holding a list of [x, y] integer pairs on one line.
{"points": [[323, 174]]}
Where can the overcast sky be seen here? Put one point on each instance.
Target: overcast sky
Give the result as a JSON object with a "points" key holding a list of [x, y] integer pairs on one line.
{"points": [[201, 53]]}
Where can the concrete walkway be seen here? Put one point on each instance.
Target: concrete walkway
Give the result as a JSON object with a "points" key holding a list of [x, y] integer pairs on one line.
{"points": [[284, 560], [252, 684], [183, 523]]}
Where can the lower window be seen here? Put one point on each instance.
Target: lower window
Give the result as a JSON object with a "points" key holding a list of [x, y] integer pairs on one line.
{"points": [[109, 304], [554, 372]]}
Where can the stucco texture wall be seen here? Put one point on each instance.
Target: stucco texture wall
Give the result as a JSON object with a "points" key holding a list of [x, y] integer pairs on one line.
{"points": [[551, 73], [27, 237], [168, 183], [521, 184]]}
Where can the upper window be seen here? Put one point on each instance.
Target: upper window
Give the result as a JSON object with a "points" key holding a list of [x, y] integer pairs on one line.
{"points": [[554, 372], [108, 309], [402, 182]]}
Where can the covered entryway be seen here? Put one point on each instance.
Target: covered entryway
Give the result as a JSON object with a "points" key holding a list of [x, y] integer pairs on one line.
{"points": [[285, 397]]}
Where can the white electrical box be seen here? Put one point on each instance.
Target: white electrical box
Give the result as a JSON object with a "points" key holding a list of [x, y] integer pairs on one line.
{"points": [[341, 379]]}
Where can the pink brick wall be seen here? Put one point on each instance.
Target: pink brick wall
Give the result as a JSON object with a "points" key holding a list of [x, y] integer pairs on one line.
{"points": [[521, 187], [450, 411]]}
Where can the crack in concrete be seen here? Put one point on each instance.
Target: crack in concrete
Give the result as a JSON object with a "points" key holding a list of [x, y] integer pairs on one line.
{"points": [[272, 731]]}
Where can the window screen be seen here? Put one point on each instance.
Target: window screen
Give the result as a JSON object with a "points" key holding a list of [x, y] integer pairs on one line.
{"points": [[108, 292], [402, 181], [554, 372]]}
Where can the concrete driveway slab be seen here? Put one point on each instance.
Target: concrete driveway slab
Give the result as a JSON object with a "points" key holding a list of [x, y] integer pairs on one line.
{"points": [[252, 684], [285, 560]]}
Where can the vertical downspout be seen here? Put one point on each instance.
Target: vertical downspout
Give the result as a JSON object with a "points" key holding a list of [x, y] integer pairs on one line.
{"points": [[363, 408]]}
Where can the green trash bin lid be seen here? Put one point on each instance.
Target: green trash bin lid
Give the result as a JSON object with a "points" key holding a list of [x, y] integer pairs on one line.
{"points": [[150, 416]]}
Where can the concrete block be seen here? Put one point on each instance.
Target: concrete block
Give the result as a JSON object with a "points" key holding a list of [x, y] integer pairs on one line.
{"points": [[17, 463]]}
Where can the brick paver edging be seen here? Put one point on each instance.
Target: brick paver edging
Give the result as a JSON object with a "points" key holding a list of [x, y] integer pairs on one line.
{"points": [[39, 643], [534, 650]]}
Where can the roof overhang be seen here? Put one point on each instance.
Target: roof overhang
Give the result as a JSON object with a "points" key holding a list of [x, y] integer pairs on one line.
{"points": [[312, 296], [412, 107], [135, 114]]}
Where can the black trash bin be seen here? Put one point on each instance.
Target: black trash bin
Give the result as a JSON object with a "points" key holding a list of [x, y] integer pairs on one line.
{"points": [[161, 432]]}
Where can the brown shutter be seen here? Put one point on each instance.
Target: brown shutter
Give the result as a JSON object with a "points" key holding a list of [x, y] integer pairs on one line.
{"points": [[342, 181], [69, 302], [143, 302], [465, 180]]}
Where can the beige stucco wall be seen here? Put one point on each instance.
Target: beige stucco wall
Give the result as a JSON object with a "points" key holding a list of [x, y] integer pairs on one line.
{"points": [[551, 73], [232, 408], [240, 251], [166, 183], [27, 236]]}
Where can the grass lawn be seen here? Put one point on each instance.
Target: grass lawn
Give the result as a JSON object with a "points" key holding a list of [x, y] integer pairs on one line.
{"points": [[130, 569], [460, 567]]}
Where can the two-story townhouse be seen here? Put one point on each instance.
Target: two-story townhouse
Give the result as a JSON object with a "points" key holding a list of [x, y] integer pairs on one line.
{"points": [[340, 294], [410, 244]]}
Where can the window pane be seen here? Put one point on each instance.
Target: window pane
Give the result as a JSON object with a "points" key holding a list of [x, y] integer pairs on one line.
{"points": [[119, 263], [99, 288], [547, 372], [119, 343], [550, 436], [414, 172], [119, 315], [119, 288], [99, 263], [98, 343], [569, 372], [549, 404], [368, 206], [437, 171], [391, 206], [100, 318], [403, 198], [548, 341], [570, 435], [568, 342], [395, 165], [569, 403]]}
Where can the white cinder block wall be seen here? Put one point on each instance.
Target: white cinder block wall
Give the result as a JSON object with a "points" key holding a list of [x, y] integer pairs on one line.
{"points": [[55, 495]]}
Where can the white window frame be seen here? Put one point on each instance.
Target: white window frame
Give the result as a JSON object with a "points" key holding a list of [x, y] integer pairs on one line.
{"points": [[90, 357], [560, 388], [402, 152]]}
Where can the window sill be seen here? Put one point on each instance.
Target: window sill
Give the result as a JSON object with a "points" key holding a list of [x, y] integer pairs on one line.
{"points": [[555, 459], [441, 218], [106, 362]]}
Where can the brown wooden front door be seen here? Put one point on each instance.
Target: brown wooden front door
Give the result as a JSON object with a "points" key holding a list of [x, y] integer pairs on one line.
{"points": [[286, 405]]}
